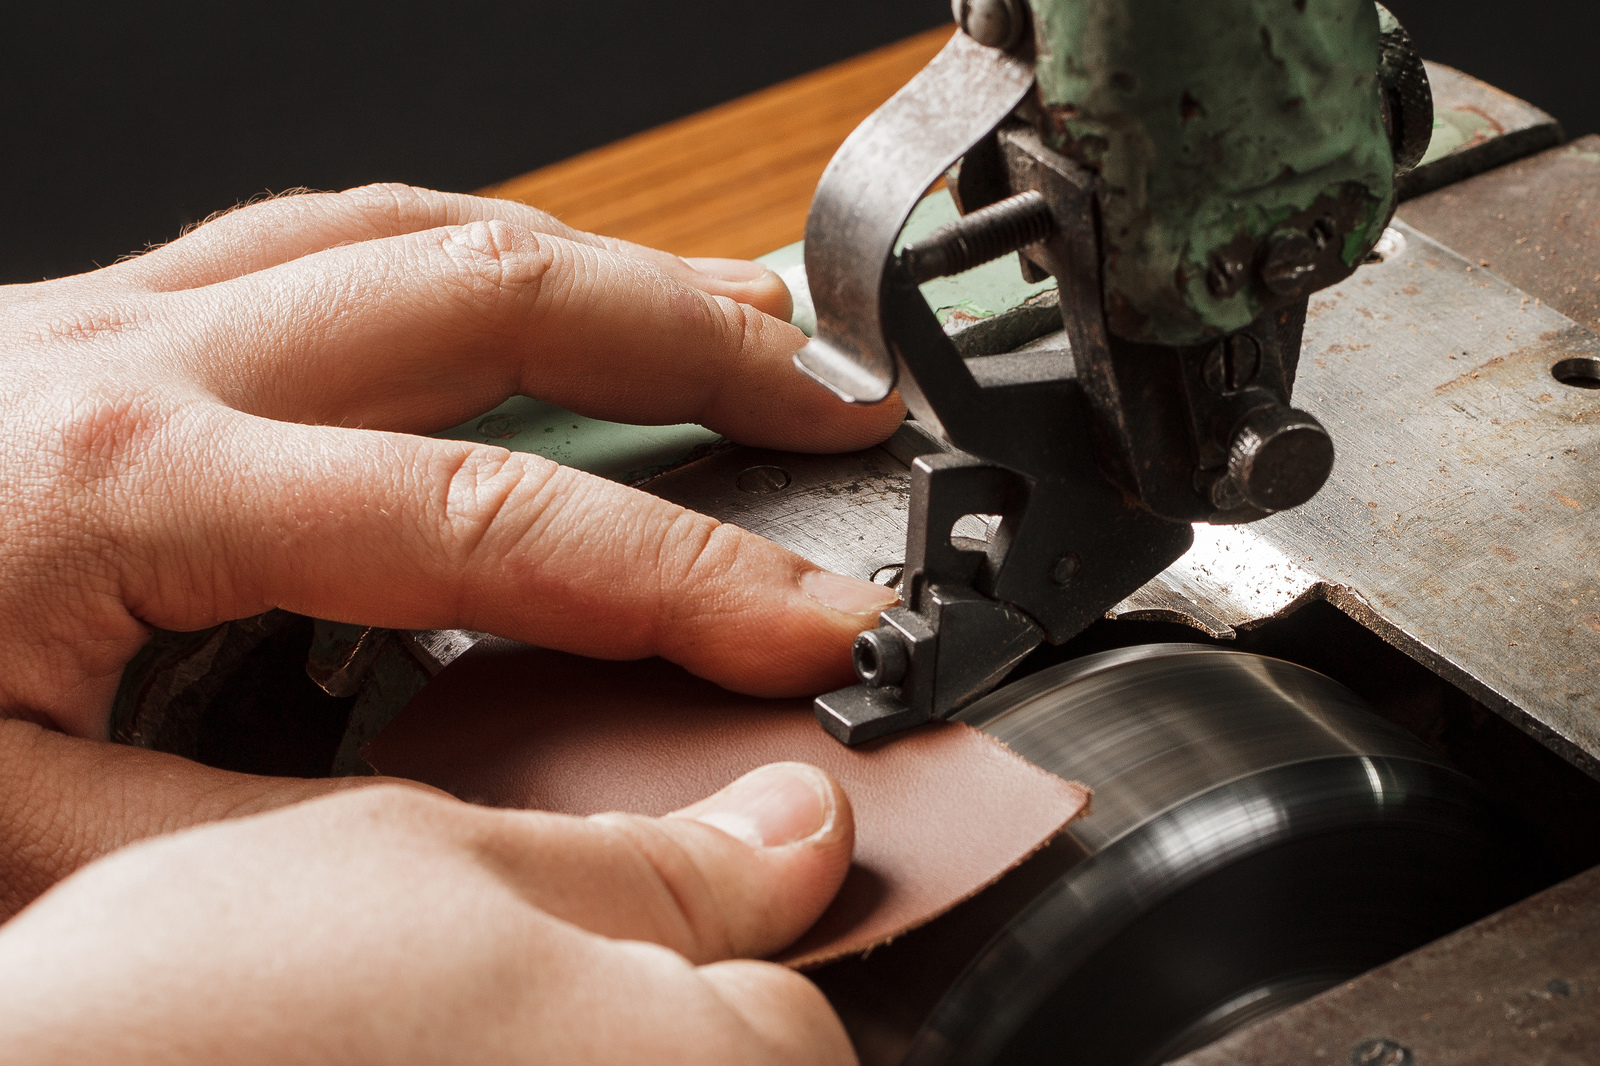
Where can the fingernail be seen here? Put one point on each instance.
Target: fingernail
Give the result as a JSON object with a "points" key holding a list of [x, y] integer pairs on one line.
{"points": [[775, 805], [848, 594], [734, 270]]}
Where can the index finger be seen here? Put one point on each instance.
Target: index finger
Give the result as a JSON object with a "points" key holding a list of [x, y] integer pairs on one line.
{"points": [[419, 332]]}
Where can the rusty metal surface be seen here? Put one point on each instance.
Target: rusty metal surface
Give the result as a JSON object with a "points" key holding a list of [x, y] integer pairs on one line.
{"points": [[1516, 989], [1535, 222]]}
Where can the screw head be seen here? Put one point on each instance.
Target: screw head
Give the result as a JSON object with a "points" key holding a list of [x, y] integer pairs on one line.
{"points": [[1225, 277], [762, 479], [1380, 1053], [1066, 568], [995, 23], [500, 427], [1291, 264], [1232, 364], [1280, 457], [881, 658]]}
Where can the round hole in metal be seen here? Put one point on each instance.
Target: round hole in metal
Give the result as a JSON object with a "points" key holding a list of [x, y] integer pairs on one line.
{"points": [[1579, 371]]}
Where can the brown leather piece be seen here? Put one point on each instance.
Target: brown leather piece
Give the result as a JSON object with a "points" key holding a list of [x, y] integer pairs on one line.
{"points": [[941, 812]]}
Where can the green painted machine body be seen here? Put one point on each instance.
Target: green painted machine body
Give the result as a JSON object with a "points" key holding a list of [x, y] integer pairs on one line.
{"points": [[1220, 129]]}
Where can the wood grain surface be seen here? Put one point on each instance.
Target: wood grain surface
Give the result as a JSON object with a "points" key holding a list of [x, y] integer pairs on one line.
{"points": [[732, 181]]}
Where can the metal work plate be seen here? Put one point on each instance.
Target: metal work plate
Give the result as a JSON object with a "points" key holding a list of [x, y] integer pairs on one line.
{"points": [[843, 512], [1516, 989], [1458, 524], [1535, 223], [1462, 513]]}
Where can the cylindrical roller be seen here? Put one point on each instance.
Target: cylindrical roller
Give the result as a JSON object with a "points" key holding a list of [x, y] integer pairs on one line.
{"points": [[1256, 835]]}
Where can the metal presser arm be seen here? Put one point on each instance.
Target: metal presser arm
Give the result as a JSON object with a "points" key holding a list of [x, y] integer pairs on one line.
{"points": [[1172, 405]]}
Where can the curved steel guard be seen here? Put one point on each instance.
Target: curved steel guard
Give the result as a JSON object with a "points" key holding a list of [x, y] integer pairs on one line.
{"points": [[868, 192]]}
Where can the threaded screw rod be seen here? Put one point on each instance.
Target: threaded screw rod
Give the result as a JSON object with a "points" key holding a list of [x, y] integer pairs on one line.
{"points": [[981, 237]]}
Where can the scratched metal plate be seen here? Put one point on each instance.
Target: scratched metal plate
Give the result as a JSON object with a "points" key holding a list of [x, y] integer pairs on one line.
{"points": [[843, 512], [1464, 509], [1535, 222]]}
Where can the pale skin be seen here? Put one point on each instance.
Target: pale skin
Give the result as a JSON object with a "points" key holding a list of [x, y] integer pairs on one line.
{"points": [[231, 423]]}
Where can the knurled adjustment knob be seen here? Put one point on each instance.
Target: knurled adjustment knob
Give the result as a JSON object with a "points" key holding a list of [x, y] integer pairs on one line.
{"points": [[1407, 97], [1280, 457]]}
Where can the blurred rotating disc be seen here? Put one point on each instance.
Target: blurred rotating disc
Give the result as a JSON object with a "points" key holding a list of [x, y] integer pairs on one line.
{"points": [[1257, 835]]}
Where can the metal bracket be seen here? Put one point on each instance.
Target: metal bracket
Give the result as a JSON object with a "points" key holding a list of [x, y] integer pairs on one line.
{"points": [[869, 190], [929, 663], [1068, 543], [1092, 458]]}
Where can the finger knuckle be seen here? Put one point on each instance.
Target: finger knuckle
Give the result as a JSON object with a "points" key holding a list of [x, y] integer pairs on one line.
{"points": [[97, 434], [740, 330], [87, 325], [743, 323], [252, 205], [494, 258], [487, 491], [708, 553], [392, 202], [386, 804], [688, 908]]}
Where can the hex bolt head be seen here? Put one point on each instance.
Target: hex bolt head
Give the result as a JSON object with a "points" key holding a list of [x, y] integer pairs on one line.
{"points": [[1280, 457], [881, 657], [996, 23]]}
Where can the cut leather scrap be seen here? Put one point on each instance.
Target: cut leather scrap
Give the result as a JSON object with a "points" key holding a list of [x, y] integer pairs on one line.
{"points": [[941, 812]]}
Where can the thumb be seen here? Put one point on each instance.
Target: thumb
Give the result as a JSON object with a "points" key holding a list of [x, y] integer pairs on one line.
{"points": [[739, 875]]}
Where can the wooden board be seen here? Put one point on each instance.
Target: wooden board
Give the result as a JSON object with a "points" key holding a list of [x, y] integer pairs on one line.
{"points": [[732, 181]]}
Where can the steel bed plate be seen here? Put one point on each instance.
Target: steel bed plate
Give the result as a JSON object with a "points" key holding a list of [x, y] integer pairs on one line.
{"points": [[1461, 515]]}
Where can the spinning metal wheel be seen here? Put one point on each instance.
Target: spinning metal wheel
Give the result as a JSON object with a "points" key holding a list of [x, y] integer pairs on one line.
{"points": [[1257, 836]]}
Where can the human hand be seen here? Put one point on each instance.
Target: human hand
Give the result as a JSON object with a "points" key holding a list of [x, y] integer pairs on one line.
{"points": [[224, 425], [66, 801], [386, 925]]}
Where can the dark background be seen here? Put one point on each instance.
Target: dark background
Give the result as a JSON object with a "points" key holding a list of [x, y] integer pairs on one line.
{"points": [[120, 125]]}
